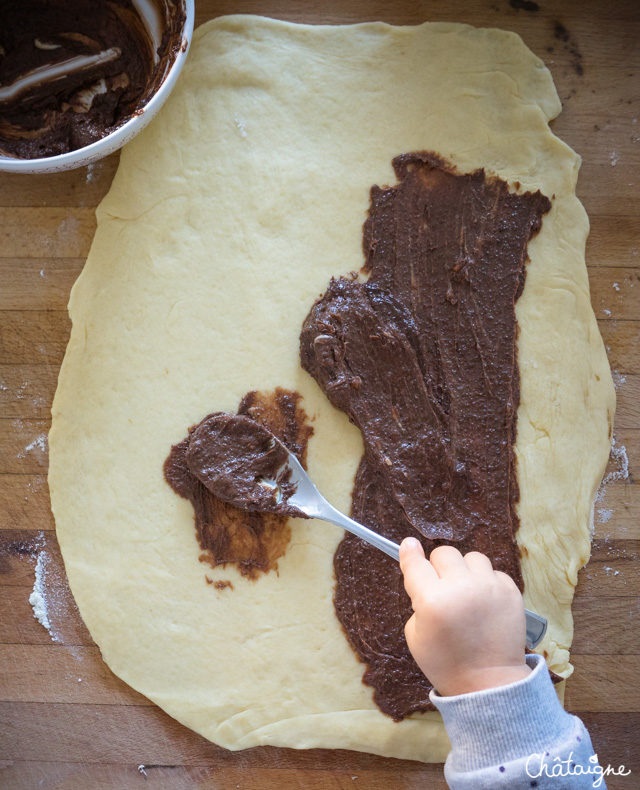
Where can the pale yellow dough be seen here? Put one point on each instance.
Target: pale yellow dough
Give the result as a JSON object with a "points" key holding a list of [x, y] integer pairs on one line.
{"points": [[225, 221]]}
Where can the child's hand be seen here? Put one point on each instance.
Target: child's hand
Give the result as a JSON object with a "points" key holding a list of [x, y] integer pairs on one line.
{"points": [[468, 629]]}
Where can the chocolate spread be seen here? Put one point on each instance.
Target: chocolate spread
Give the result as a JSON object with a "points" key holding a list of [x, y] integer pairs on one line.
{"points": [[233, 456], [41, 116], [423, 359], [226, 533]]}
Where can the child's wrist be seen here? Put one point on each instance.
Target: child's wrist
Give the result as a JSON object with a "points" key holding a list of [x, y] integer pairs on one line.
{"points": [[482, 678]]}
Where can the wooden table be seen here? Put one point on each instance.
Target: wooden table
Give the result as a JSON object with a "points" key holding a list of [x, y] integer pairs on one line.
{"points": [[65, 720]]}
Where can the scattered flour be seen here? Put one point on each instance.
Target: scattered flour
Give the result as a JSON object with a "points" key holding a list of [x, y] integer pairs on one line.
{"points": [[141, 769], [67, 229], [30, 547], [241, 126], [50, 597], [38, 598], [621, 459], [611, 571], [618, 379], [21, 390], [606, 311], [39, 443], [613, 158], [616, 286], [41, 272], [621, 472], [604, 515], [47, 598], [91, 172]]}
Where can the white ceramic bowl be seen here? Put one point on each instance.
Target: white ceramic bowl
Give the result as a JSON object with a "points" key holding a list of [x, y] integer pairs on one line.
{"points": [[116, 139]]}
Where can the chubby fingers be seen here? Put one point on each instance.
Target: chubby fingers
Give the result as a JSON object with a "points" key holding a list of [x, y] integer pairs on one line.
{"points": [[448, 561], [478, 563], [444, 562], [418, 572]]}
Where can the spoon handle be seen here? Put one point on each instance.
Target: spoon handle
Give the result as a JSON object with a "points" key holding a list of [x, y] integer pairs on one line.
{"points": [[329, 513], [536, 628]]}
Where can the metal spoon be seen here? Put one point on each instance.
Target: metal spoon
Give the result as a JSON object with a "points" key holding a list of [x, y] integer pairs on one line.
{"points": [[307, 499], [54, 72]]}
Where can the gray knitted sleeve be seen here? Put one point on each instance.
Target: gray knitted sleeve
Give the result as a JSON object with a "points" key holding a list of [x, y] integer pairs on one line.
{"points": [[517, 736]]}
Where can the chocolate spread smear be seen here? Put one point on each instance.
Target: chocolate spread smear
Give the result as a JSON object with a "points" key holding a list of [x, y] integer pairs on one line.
{"points": [[226, 533], [423, 359], [233, 456]]}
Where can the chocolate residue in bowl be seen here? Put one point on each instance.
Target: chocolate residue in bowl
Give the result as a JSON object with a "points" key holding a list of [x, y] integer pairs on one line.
{"points": [[253, 541], [43, 115]]}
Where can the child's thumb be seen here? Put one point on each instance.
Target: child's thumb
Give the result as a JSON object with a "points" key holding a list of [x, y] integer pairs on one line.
{"points": [[416, 569]]}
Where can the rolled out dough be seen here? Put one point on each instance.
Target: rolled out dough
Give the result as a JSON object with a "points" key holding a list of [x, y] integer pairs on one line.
{"points": [[225, 221]]}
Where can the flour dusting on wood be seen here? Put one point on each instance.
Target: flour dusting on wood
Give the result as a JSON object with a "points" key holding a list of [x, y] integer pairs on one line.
{"points": [[37, 599], [39, 443], [44, 598], [618, 379], [47, 597], [619, 473], [621, 461], [47, 594], [604, 515]]}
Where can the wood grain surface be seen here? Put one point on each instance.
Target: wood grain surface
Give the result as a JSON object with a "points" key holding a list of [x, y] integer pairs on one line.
{"points": [[66, 721]]}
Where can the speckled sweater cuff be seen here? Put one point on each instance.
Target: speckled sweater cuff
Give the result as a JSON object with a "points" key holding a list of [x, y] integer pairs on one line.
{"points": [[493, 733]]}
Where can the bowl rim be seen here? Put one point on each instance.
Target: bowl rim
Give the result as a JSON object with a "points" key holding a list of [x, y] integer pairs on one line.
{"points": [[116, 139]]}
